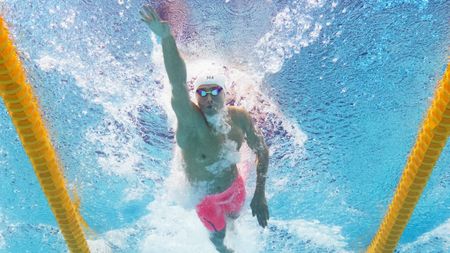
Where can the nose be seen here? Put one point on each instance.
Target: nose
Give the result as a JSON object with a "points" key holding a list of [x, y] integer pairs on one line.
{"points": [[209, 98]]}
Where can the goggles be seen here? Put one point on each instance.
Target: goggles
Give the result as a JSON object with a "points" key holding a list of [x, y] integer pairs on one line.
{"points": [[213, 91]]}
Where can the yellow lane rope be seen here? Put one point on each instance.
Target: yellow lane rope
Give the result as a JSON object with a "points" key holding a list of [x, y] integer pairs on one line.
{"points": [[426, 151], [24, 112]]}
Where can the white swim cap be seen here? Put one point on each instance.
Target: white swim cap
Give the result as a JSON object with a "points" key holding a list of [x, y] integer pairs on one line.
{"points": [[210, 79]]}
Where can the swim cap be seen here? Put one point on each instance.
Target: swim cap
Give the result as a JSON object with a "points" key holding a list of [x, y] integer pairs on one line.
{"points": [[210, 79]]}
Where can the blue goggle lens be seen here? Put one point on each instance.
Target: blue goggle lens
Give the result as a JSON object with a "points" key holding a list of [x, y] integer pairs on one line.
{"points": [[214, 91]]}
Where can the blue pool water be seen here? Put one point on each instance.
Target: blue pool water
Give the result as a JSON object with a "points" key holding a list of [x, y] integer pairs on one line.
{"points": [[338, 88]]}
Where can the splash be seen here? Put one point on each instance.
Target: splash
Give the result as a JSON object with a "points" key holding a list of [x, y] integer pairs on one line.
{"points": [[293, 29], [3, 223], [115, 135], [438, 238], [219, 121], [228, 156], [172, 224], [314, 235], [2, 242], [177, 200], [118, 142]]}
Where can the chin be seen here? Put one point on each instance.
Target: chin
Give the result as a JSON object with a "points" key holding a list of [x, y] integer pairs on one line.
{"points": [[210, 112]]}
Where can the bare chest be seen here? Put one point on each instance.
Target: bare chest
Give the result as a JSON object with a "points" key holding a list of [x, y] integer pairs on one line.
{"points": [[214, 149], [208, 149]]}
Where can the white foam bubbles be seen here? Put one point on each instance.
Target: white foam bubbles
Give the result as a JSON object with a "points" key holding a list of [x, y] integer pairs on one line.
{"points": [[172, 224], [439, 235], [219, 121], [174, 229], [315, 233], [69, 20], [48, 63], [3, 223], [110, 240], [131, 194], [293, 28], [245, 235], [228, 156], [99, 246], [247, 91], [116, 135], [2, 241]]}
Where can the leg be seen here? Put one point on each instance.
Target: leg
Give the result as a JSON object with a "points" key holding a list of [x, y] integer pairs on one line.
{"points": [[217, 239], [231, 218]]}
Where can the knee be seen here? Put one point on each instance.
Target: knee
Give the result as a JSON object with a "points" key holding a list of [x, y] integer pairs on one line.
{"points": [[218, 236]]}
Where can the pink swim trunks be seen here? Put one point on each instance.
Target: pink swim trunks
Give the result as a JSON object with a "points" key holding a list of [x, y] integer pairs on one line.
{"points": [[213, 208]]}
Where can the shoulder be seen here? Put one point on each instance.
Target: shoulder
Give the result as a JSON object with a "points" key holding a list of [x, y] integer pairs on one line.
{"points": [[238, 112], [240, 116]]}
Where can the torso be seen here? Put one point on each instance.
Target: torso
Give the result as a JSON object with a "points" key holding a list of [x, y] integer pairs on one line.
{"points": [[210, 158]]}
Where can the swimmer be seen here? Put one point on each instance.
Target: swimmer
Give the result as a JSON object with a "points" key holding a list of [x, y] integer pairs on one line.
{"points": [[210, 135]]}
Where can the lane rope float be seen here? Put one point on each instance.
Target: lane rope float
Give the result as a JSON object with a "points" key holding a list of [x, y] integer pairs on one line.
{"points": [[24, 112], [426, 151]]}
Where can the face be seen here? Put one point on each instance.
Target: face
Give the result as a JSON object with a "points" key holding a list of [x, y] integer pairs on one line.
{"points": [[210, 104]]}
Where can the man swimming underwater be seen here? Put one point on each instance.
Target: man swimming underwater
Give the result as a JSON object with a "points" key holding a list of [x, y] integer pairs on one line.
{"points": [[209, 133]]}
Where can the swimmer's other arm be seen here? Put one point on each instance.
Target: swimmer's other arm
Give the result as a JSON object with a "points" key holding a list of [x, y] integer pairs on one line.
{"points": [[256, 142]]}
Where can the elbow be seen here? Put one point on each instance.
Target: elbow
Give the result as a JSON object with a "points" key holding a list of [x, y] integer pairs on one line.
{"points": [[263, 154], [265, 150], [177, 80]]}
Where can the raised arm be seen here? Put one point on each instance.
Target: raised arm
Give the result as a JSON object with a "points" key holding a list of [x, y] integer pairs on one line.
{"points": [[185, 110], [256, 142]]}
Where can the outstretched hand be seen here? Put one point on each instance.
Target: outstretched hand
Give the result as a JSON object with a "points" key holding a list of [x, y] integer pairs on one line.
{"points": [[152, 19], [260, 209]]}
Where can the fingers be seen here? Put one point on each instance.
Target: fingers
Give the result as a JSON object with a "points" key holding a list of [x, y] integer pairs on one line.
{"points": [[151, 12], [155, 15], [262, 218], [145, 17], [261, 212], [262, 221]]}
